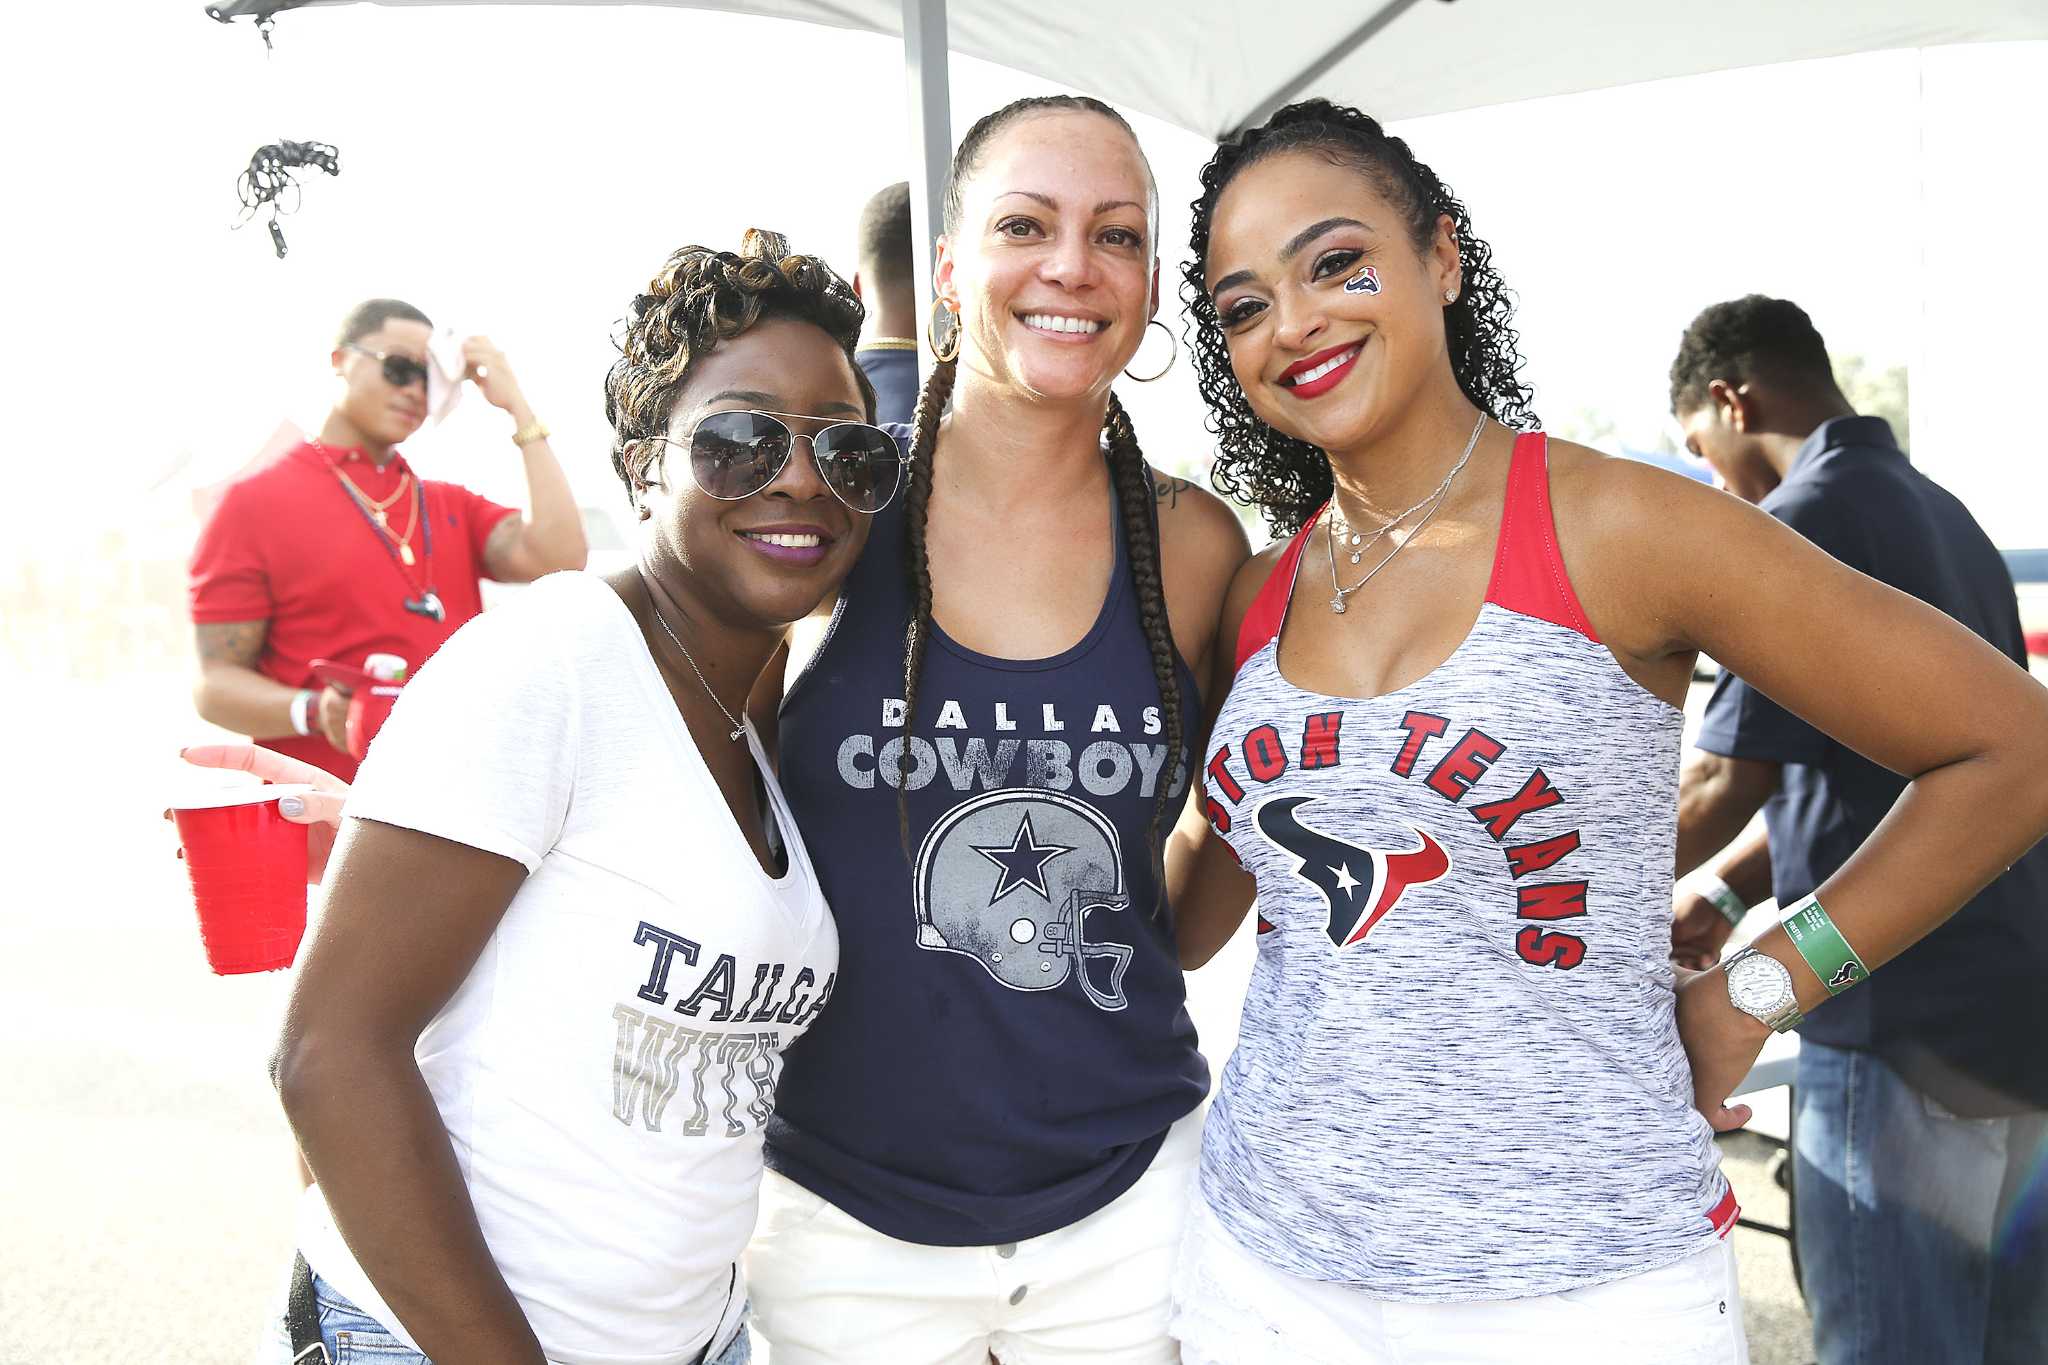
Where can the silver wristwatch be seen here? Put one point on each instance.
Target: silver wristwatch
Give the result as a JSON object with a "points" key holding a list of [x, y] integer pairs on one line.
{"points": [[1761, 987]]}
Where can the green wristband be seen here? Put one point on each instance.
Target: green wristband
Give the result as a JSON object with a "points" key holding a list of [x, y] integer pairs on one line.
{"points": [[1823, 946]]}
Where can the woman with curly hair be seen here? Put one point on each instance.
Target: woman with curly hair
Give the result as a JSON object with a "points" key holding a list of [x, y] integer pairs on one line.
{"points": [[984, 1147], [570, 926], [1471, 1110]]}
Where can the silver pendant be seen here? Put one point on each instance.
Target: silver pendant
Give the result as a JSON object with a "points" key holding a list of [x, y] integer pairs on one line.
{"points": [[1337, 604], [737, 733], [1355, 558]]}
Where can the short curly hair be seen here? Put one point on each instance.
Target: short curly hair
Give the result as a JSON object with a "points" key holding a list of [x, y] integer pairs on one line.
{"points": [[1287, 479], [697, 299], [1748, 338]]}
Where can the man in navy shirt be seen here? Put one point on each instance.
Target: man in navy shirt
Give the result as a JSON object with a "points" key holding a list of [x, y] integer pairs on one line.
{"points": [[887, 283], [1921, 1105]]}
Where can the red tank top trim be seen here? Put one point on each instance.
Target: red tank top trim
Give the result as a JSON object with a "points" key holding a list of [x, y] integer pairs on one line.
{"points": [[1269, 608], [1528, 572], [1529, 577]]}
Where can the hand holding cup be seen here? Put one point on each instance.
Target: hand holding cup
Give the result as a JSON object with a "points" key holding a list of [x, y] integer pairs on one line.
{"points": [[319, 809]]}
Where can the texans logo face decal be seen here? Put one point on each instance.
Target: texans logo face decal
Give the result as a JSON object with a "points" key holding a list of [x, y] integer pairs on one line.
{"points": [[1359, 885]]}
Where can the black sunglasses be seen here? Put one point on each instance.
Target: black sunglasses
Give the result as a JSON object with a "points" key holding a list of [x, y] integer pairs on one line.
{"points": [[400, 371], [735, 455]]}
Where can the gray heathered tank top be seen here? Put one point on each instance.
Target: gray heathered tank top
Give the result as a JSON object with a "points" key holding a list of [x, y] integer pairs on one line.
{"points": [[1459, 1075]]}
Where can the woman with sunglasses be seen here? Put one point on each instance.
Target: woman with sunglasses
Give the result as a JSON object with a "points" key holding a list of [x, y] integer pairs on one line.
{"points": [[571, 928], [984, 1146], [1470, 1113]]}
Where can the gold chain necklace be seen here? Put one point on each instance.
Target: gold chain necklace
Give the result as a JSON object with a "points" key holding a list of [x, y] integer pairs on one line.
{"points": [[377, 512]]}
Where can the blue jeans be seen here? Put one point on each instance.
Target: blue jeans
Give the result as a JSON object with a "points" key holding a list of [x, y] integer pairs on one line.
{"points": [[1922, 1236], [351, 1335]]}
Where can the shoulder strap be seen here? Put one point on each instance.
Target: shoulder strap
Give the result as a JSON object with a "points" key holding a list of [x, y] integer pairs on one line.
{"points": [[1528, 572], [1269, 608]]}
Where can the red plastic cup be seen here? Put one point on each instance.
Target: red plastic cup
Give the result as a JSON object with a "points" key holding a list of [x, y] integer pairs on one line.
{"points": [[248, 869], [368, 709]]}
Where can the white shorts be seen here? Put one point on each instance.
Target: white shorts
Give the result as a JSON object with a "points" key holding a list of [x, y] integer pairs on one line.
{"points": [[1231, 1308], [828, 1288]]}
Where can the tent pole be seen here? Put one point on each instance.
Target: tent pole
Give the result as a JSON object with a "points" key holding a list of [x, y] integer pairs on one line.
{"points": [[1386, 14], [931, 138]]}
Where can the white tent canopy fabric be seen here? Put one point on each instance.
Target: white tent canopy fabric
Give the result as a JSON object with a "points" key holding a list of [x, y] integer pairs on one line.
{"points": [[1215, 66], [1212, 66]]}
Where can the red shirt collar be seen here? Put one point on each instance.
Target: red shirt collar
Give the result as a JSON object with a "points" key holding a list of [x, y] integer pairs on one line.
{"points": [[345, 458]]}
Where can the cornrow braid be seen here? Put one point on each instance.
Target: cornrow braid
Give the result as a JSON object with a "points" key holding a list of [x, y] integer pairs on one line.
{"points": [[697, 299], [917, 633], [1287, 478], [1136, 501]]}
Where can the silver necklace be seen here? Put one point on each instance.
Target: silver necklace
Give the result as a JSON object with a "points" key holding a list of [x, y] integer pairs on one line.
{"points": [[737, 728], [1434, 502], [1341, 528]]}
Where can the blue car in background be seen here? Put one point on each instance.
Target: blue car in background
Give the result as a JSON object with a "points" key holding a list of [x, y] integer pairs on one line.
{"points": [[2030, 579]]}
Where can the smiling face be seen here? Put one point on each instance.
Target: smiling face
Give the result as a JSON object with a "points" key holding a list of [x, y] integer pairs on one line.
{"points": [[373, 405], [1051, 261], [767, 559], [1334, 320]]}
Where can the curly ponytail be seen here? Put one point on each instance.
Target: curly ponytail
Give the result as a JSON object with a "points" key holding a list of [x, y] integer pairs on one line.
{"points": [[1286, 478]]}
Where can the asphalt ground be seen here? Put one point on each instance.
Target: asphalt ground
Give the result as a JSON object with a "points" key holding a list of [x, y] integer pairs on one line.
{"points": [[147, 1188]]}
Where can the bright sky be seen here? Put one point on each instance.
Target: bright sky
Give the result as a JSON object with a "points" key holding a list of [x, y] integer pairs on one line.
{"points": [[522, 171]]}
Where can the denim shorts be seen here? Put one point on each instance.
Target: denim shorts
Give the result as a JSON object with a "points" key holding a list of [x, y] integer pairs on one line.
{"points": [[351, 1335]]}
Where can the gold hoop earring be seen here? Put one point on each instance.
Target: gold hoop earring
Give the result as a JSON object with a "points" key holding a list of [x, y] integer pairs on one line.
{"points": [[931, 333], [1171, 356]]}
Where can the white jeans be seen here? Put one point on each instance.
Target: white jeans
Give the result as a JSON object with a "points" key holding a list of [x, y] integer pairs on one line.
{"points": [[829, 1290], [1231, 1308]]}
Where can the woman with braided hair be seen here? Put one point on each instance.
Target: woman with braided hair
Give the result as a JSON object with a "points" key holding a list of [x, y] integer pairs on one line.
{"points": [[984, 1147], [1471, 1110], [570, 925]]}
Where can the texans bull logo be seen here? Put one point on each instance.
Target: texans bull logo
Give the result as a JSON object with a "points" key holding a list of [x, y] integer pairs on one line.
{"points": [[1359, 885]]}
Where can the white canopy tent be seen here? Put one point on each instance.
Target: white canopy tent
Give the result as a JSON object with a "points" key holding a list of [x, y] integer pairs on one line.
{"points": [[1214, 66]]}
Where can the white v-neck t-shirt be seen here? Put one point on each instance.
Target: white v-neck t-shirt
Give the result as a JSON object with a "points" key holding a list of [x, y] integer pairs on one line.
{"points": [[605, 1070]]}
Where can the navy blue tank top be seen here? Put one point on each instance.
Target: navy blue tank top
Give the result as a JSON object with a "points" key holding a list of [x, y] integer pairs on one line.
{"points": [[1009, 1039]]}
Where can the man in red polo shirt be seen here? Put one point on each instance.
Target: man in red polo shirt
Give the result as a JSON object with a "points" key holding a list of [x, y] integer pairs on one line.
{"points": [[339, 550]]}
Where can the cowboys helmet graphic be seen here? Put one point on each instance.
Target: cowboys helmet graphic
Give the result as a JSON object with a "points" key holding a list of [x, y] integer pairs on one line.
{"points": [[1019, 880], [1359, 885]]}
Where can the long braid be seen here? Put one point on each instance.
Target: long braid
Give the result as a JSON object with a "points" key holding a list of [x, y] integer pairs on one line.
{"points": [[1135, 500], [917, 632]]}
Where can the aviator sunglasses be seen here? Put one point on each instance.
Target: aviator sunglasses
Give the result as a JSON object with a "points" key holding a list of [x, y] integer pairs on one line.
{"points": [[400, 371], [735, 455]]}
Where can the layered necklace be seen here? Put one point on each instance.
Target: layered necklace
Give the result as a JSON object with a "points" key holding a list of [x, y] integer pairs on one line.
{"points": [[421, 599], [1358, 543]]}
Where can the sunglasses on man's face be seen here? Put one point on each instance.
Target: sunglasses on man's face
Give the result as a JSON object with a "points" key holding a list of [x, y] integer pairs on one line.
{"points": [[400, 371], [735, 455]]}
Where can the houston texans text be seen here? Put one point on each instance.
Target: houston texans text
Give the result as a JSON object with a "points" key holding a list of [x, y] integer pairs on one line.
{"points": [[1421, 750]]}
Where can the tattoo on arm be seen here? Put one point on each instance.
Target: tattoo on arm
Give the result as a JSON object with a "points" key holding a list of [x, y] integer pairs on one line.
{"points": [[499, 547], [1168, 489], [232, 642]]}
